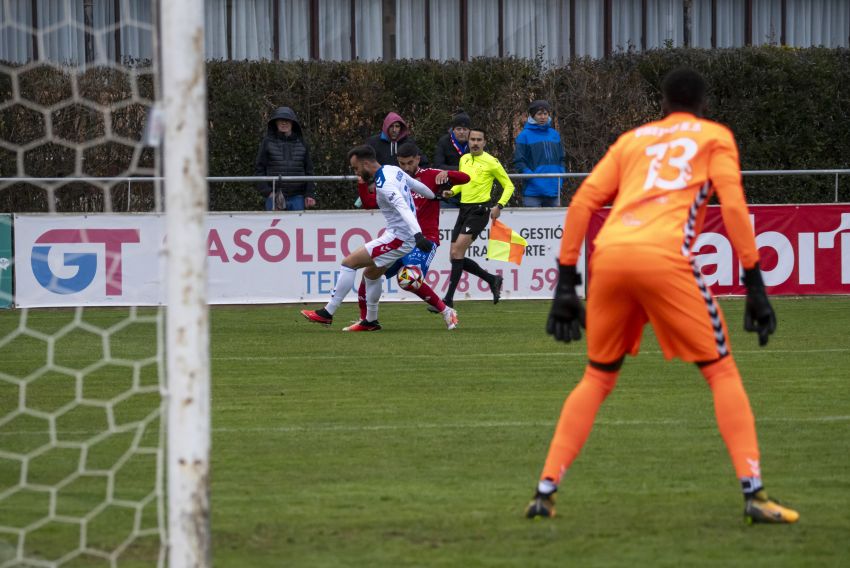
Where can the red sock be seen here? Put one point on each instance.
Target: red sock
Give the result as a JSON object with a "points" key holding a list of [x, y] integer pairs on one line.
{"points": [[427, 293], [361, 298]]}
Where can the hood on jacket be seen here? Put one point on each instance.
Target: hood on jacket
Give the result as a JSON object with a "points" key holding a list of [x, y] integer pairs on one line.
{"points": [[288, 114], [532, 124], [391, 118]]}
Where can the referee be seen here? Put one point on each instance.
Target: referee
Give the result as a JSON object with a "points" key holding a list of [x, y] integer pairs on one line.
{"points": [[476, 211]]}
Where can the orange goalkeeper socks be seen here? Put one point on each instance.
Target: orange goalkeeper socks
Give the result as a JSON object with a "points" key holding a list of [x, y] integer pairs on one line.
{"points": [[735, 420], [576, 421]]}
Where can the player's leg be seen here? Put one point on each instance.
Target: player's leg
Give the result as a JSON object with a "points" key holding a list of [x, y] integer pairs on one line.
{"points": [[361, 298], [391, 271], [372, 288], [495, 281], [689, 324], [571, 433], [347, 272], [737, 427], [614, 324], [476, 221], [460, 242], [384, 253], [421, 288]]}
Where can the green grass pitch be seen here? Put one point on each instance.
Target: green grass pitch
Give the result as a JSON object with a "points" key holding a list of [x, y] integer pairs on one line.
{"points": [[416, 446]]}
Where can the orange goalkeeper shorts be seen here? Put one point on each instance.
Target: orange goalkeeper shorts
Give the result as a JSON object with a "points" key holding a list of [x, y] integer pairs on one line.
{"points": [[630, 286]]}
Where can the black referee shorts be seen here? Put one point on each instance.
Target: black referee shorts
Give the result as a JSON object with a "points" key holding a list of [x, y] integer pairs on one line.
{"points": [[471, 220]]}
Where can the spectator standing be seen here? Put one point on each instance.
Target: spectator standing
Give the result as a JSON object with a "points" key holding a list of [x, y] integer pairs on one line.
{"points": [[539, 151], [394, 132], [450, 147], [284, 152]]}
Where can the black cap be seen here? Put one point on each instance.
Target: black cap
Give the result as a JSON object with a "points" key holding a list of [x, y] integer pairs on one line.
{"points": [[460, 118], [539, 105]]}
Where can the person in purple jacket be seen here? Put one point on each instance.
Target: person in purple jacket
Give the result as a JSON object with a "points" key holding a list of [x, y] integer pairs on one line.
{"points": [[394, 132]]}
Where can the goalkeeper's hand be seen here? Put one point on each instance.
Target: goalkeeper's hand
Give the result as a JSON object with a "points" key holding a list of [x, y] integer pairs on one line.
{"points": [[758, 315], [422, 243], [566, 318]]}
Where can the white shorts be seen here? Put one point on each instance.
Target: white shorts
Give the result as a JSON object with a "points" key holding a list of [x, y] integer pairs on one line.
{"points": [[387, 249]]}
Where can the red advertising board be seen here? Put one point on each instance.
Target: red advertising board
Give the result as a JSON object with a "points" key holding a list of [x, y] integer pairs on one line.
{"points": [[804, 249]]}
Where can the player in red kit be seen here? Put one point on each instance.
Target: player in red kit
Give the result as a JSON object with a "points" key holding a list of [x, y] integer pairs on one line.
{"points": [[428, 215]]}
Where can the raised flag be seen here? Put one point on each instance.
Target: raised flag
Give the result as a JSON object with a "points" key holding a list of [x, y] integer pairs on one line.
{"points": [[505, 243]]}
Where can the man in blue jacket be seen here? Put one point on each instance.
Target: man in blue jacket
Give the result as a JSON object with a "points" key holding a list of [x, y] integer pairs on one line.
{"points": [[539, 151]]}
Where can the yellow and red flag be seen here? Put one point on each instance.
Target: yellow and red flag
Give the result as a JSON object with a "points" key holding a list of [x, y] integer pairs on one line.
{"points": [[505, 244]]}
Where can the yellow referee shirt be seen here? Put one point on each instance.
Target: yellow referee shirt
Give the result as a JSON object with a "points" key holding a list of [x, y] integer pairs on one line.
{"points": [[483, 170]]}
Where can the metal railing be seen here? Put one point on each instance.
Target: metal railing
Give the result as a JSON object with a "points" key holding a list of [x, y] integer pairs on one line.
{"points": [[352, 178]]}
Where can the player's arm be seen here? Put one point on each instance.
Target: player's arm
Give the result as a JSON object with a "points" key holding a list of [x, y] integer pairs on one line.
{"points": [[368, 197], [724, 170], [458, 178], [409, 217], [463, 167], [567, 316], [597, 190], [418, 187], [507, 185]]}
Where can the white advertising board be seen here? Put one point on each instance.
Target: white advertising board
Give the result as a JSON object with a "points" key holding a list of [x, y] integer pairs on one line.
{"points": [[74, 260]]}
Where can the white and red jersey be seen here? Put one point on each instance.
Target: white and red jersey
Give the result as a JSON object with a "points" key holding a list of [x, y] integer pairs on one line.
{"points": [[427, 210], [393, 197]]}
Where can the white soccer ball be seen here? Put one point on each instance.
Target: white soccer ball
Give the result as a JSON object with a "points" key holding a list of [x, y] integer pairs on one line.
{"points": [[410, 277]]}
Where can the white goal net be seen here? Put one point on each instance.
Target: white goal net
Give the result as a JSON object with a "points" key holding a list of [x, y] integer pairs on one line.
{"points": [[97, 466]]}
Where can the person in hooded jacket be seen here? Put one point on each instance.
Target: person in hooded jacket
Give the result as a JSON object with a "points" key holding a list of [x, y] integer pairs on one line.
{"points": [[394, 132], [538, 151], [283, 152]]}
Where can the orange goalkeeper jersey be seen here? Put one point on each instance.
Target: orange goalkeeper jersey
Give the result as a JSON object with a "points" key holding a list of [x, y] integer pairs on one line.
{"points": [[660, 177]]}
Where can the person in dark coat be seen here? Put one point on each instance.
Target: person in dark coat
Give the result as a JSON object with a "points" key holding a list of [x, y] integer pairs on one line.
{"points": [[283, 152], [394, 133], [450, 147]]}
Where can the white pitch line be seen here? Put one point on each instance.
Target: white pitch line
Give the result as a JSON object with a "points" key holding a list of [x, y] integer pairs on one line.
{"points": [[474, 425], [460, 426], [527, 354]]}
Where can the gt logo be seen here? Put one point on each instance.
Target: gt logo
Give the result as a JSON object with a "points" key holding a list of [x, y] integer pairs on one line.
{"points": [[85, 262]]}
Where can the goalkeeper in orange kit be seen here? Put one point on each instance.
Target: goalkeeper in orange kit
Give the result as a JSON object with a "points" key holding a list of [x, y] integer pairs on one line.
{"points": [[660, 178]]}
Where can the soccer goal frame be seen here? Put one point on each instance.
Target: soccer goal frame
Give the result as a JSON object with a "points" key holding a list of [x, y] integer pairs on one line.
{"points": [[187, 329]]}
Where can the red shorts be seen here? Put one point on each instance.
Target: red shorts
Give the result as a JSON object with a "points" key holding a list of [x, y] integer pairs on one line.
{"points": [[630, 286]]}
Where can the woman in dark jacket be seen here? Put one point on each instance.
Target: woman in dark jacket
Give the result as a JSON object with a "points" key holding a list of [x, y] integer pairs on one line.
{"points": [[283, 152]]}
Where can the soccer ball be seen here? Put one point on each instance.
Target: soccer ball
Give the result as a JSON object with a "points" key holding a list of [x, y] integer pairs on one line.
{"points": [[410, 277]]}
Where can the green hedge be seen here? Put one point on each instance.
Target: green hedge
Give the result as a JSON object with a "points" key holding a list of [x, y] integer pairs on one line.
{"points": [[789, 108]]}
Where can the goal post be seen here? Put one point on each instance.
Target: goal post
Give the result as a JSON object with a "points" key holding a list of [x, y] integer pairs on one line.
{"points": [[187, 329], [104, 323]]}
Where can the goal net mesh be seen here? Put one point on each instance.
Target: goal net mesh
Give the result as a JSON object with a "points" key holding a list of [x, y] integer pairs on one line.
{"points": [[81, 388]]}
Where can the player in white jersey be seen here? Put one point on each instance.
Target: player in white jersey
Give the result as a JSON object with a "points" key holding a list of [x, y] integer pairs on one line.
{"points": [[392, 192]]}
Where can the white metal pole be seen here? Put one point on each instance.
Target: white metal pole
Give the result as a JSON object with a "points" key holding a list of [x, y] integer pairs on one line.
{"points": [[187, 327]]}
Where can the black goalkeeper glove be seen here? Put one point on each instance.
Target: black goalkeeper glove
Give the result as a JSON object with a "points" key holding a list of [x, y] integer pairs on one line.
{"points": [[758, 315], [566, 318], [422, 243]]}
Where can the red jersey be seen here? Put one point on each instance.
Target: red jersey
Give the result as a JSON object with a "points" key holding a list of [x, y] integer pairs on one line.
{"points": [[427, 210]]}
